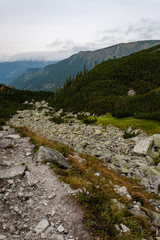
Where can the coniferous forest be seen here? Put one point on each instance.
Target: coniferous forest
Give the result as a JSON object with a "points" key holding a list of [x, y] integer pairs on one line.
{"points": [[105, 87]]}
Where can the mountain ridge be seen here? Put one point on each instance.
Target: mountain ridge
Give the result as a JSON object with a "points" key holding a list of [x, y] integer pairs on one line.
{"points": [[55, 75], [9, 70]]}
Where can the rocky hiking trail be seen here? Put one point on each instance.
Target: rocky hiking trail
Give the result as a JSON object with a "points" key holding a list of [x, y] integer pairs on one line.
{"points": [[34, 204]]}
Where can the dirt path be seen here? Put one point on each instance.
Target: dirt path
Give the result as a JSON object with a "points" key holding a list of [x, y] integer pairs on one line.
{"points": [[35, 205]]}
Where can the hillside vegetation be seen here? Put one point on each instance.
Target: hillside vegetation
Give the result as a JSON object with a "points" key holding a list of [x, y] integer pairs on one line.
{"points": [[105, 87], [12, 100], [54, 76]]}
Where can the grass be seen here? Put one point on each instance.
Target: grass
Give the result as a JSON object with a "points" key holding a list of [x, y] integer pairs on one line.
{"points": [[96, 194], [150, 127], [96, 199], [43, 141]]}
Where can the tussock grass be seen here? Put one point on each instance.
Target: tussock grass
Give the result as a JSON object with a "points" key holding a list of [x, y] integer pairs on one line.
{"points": [[43, 141]]}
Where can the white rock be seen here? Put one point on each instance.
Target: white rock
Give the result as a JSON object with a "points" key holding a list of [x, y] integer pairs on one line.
{"points": [[32, 180], [10, 181], [60, 229], [14, 136], [124, 228], [28, 154], [143, 147], [122, 191], [117, 228], [51, 196], [128, 196], [41, 226], [12, 172], [2, 237]]}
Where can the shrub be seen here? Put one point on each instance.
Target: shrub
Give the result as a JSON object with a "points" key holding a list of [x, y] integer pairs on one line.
{"points": [[89, 120], [129, 134], [148, 116], [63, 149], [81, 116], [57, 120]]}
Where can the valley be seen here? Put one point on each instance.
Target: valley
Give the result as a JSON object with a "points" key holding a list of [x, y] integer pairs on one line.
{"points": [[83, 162]]}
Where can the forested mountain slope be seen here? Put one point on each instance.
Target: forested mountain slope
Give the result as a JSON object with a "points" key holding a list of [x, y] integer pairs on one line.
{"points": [[53, 76], [105, 87]]}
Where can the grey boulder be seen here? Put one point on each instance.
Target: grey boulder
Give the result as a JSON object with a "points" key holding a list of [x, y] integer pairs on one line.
{"points": [[5, 143], [12, 172], [50, 155], [41, 226], [144, 146]]}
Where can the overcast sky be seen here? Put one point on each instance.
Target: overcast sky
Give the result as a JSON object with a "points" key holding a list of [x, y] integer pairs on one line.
{"points": [[64, 27]]}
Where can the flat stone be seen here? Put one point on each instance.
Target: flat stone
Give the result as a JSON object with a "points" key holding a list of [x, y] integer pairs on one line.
{"points": [[14, 136], [12, 172], [41, 226], [50, 155], [5, 143], [143, 147]]}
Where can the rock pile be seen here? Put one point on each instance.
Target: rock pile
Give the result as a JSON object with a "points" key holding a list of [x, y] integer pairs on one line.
{"points": [[134, 157]]}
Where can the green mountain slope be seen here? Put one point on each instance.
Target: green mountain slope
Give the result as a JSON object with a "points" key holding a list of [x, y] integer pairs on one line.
{"points": [[105, 87], [11, 70], [54, 76]]}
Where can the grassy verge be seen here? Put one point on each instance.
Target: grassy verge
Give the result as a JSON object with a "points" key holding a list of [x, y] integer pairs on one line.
{"points": [[151, 127], [43, 141], [96, 191]]}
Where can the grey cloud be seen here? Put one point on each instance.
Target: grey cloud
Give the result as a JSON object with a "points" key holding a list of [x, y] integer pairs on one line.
{"points": [[71, 46], [144, 29]]}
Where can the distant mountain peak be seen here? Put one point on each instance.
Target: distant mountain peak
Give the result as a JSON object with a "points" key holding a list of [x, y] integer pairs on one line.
{"points": [[55, 75]]}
